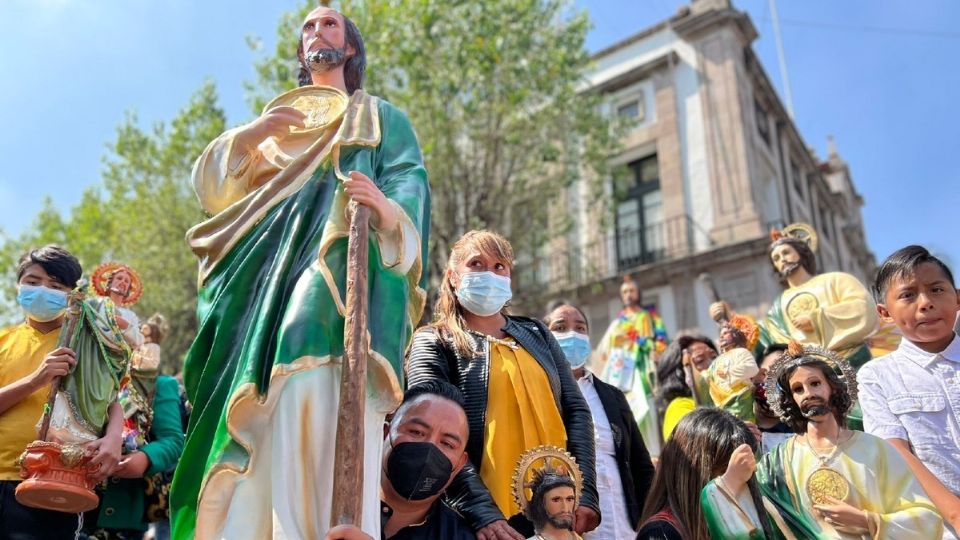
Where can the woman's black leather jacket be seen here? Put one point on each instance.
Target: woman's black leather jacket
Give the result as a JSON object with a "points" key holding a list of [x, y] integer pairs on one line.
{"points": [[433, 357]]}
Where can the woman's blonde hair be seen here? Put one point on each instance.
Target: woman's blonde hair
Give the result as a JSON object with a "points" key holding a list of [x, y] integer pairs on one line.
{"points": [[449, 313]]}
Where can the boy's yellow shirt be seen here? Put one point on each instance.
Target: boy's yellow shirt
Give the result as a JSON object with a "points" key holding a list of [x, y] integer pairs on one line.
{"points": [[22, 349]]}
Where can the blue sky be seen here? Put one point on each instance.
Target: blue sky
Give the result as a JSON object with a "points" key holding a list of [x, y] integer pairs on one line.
{"points": [[879, 75]]}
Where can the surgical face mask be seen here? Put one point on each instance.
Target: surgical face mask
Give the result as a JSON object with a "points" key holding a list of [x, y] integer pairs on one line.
{"points": [[417, 470], [575, 346], [483, 293], [41, 304]]}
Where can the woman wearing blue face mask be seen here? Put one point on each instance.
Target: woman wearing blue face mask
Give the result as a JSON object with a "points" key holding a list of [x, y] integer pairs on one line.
{"points": [[624, 469], [518, 386]]}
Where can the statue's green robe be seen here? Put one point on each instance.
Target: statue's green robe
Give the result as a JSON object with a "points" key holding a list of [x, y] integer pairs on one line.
{"points": [[880, 483], [263, 372], [80, 412]]}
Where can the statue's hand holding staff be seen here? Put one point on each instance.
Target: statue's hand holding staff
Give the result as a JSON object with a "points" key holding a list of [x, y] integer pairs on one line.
{"points": [[361, 189]]}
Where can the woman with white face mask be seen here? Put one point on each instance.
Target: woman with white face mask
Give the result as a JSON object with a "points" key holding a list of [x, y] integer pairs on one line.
{"points": [[518, 386], [624, 469]]}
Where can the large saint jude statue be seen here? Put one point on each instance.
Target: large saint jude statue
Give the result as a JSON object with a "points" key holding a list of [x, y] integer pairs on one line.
{"points": [[264, 371]]}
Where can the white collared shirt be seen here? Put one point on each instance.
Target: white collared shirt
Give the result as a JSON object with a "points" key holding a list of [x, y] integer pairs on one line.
{"points": [[914, 395], [613, 508]]}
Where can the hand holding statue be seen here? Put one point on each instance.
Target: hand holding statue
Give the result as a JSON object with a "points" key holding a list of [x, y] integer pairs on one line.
{"points": [[105, 452], [57, 363], [132, 466], [585, 520], [347, 532], [274, 123], [498, 530]]}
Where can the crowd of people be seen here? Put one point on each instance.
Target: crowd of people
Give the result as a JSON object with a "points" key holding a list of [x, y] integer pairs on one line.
{"points": [[835, 415], [485, 386]]}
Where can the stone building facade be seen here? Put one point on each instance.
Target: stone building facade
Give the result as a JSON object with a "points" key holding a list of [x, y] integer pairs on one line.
{"points": [[712, 162]]}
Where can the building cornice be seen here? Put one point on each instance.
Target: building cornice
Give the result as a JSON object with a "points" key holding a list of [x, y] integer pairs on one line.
{"points": [[626, 42], [691, 25], [636, 74]]}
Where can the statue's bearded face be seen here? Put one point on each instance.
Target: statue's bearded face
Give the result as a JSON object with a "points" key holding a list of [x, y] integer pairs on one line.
{"points": [[629, 294], [120, 283], [560, 503], [731, 337], [811, 391], [785, 259], [323, 40]]}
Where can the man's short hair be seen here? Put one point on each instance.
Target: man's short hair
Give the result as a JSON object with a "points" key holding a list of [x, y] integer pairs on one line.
{"points": [[434, 387], [57, 262], [901, 263]]}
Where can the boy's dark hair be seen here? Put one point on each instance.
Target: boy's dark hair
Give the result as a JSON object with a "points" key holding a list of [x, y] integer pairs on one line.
{"points": [[435, 387], [57, 262], [901, 263]]}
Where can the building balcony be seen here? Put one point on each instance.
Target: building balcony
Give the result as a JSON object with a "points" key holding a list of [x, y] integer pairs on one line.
{"points": [[570, 264]]}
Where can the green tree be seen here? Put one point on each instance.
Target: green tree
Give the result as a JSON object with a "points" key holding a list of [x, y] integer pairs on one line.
{"points": [[139, 215], [495, 91]]}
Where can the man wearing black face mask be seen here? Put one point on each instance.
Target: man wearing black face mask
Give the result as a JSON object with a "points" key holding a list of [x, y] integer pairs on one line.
{"points": [[424, 448]]}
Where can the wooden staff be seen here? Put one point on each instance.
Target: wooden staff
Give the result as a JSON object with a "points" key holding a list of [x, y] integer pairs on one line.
{"points": [[70, 323], [348, 458]]}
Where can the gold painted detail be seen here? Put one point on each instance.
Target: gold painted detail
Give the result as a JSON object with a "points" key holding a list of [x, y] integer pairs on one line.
{"points": [[322, 105], [71, 455], [826, 482], [802, 305]]}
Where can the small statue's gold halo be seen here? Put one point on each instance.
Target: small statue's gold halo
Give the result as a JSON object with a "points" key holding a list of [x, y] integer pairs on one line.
{"points": [[539, 457]]}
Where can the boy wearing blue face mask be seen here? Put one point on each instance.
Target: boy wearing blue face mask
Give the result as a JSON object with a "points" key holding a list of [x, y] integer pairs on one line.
{"points": [[624, 468], [29, 361]]}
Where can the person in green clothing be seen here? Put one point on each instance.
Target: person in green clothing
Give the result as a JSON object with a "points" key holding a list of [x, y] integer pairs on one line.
{"points": [[263, 373], [123, 511]]}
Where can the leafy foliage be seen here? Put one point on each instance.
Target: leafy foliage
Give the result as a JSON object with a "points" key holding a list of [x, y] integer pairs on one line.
{"points": [[138, 215], [495, 92]]}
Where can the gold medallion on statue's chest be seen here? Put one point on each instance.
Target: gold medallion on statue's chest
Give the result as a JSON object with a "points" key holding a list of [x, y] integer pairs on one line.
{"points": [[826, 482], [321, 106], [802, 305]]}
